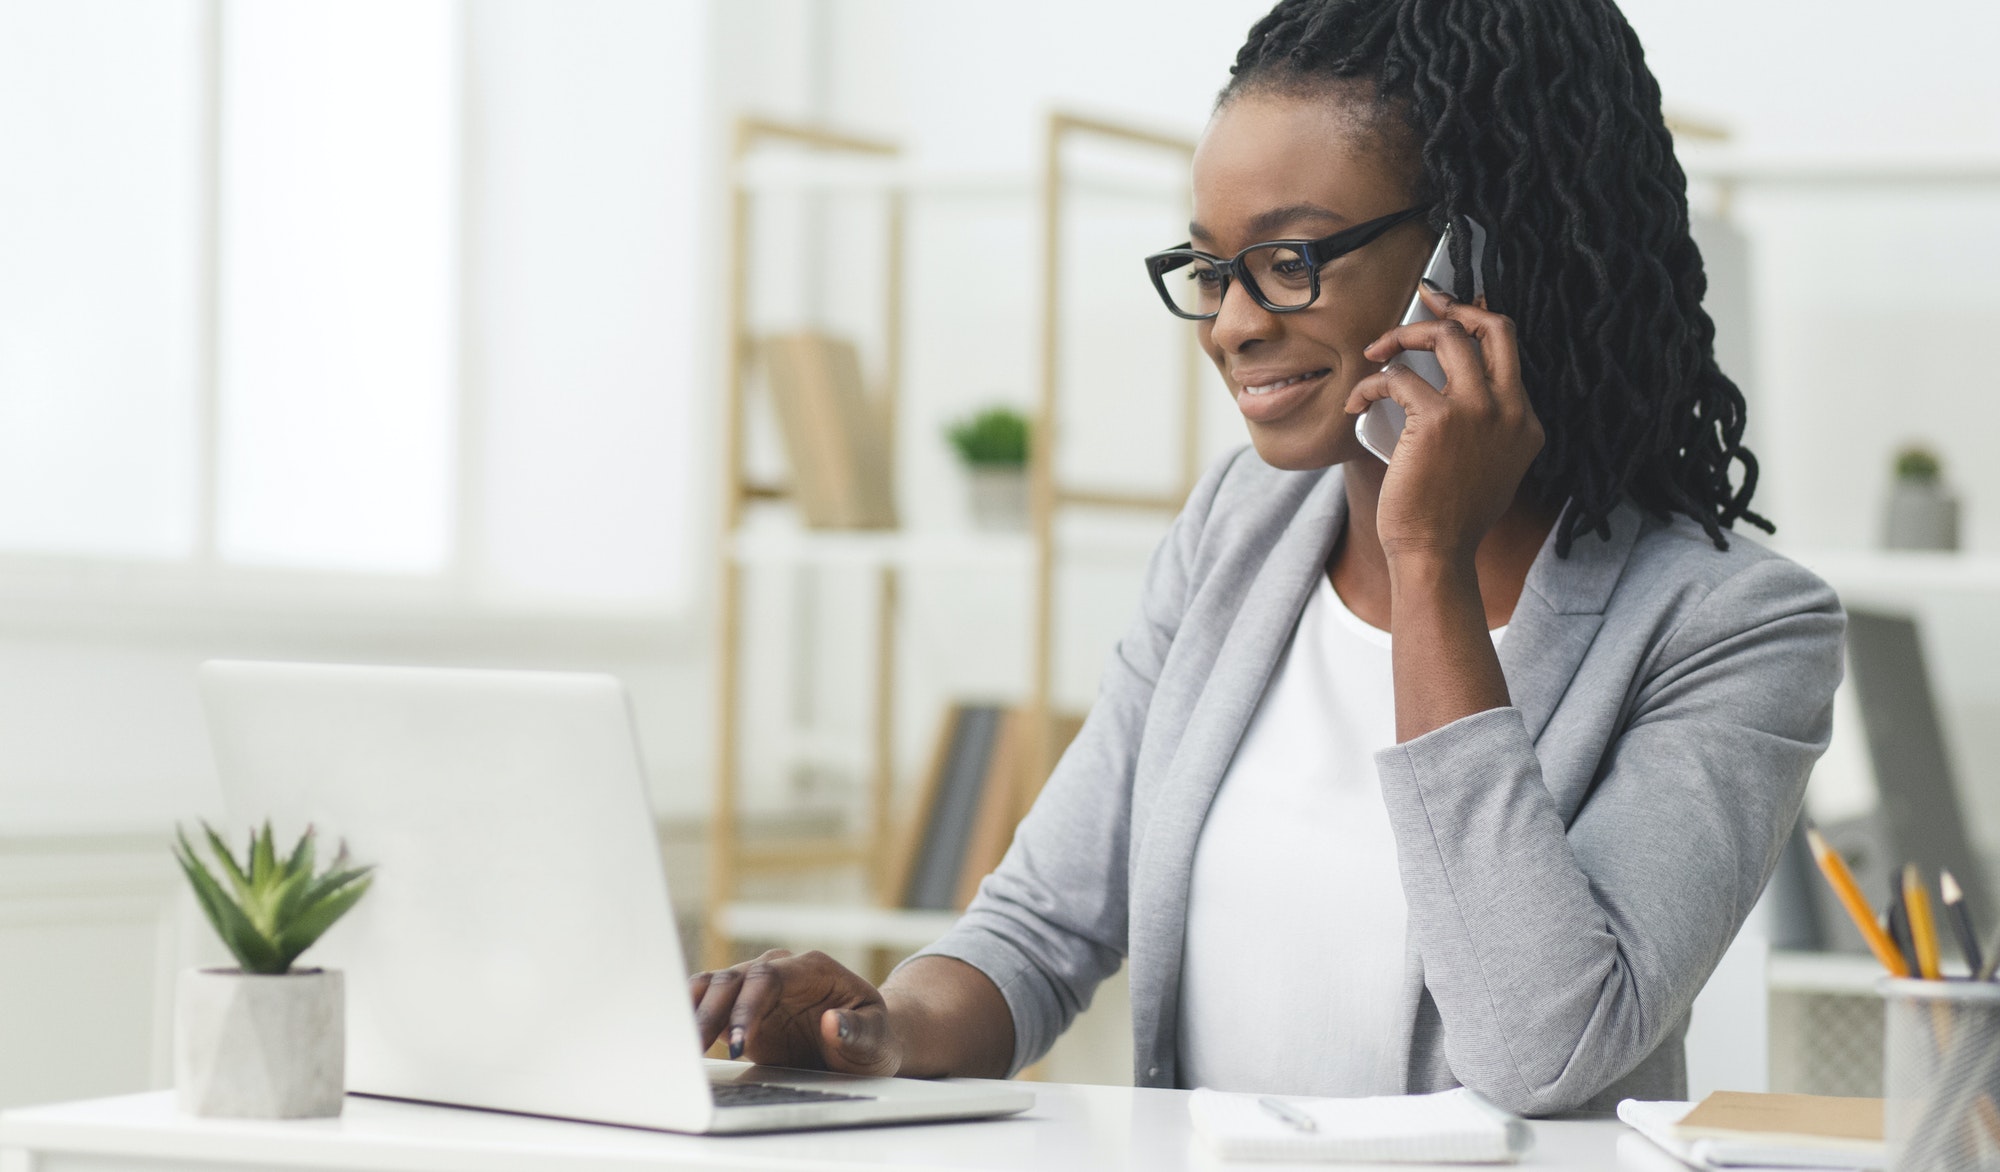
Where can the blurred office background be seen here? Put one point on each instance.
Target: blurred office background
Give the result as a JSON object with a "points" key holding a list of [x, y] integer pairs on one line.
{"points": [[400, 332]]}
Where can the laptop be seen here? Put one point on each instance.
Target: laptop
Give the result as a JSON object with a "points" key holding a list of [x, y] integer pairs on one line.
{"points": [[518, 950]]}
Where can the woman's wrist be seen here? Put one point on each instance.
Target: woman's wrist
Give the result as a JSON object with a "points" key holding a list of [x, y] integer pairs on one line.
{"points": [[900, 1013], [1422, 579], [946, 1018]]}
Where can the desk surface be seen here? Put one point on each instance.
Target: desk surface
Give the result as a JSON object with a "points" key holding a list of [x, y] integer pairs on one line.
{"points": [[1080, 1128]]}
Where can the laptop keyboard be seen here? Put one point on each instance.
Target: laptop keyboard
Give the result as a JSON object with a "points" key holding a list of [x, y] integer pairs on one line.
{"points": [[761, 1094]]}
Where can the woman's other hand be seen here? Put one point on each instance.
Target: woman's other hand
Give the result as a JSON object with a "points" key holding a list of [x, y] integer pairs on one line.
{"points": [[805, 1011], [1464, 449]]}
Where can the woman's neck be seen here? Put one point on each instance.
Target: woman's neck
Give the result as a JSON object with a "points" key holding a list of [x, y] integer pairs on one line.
{"points": [[1360, 570]]}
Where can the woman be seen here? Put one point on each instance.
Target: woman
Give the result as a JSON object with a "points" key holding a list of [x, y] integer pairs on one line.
{"points": [[1517, 874]]}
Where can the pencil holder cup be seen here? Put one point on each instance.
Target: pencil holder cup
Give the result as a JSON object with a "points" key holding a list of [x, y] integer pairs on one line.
{"points": [[1941, 1075]]}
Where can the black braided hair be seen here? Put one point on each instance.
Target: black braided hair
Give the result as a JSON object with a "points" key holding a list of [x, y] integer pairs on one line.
{"points": [[1539, 119]]}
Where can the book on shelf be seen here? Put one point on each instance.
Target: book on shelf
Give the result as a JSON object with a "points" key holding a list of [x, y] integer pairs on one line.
{"points": [[835, 436], [974, 796]]}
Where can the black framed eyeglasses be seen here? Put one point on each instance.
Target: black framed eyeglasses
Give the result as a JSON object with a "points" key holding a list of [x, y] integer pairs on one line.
{"points": [[1280, 275]]}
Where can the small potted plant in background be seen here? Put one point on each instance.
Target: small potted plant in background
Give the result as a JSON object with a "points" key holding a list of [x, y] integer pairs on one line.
{"points": [[265, 1040], [994, 445], [1922, 512]]}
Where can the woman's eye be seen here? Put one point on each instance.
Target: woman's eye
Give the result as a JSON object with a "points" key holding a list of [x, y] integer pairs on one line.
{"points": [[1292, 270], [1206, 278]]}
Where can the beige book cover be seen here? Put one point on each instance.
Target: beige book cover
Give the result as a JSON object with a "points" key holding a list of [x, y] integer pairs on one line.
{"points": [[1799, 1119], [835, 437]]}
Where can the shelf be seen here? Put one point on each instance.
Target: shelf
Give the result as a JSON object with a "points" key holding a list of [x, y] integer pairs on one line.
{"points": [[911, 549], [1747, 170], [799, 174], [834, 924], [1900, 577], [862, 549]]}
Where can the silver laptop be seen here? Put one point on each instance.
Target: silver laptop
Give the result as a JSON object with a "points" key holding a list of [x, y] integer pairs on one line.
{"points": [[517, 951]]}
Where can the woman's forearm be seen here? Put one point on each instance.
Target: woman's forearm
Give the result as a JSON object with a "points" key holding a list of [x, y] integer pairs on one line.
{"points": [[1443, 660], [949, 1019]]}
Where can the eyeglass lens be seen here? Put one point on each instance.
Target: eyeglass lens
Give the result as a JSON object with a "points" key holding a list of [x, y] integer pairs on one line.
{"points": [[1279, 271]]}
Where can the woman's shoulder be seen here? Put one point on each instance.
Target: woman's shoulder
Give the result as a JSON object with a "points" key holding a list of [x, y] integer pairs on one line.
{"points": [[1677, 567]]}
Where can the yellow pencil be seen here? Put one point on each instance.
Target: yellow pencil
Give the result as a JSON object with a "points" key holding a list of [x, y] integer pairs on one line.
{"points": [[1923, 929], [1842, 881]]}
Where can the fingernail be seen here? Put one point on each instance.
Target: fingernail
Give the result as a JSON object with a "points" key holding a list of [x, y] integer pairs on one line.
{"points": [[840, 1024], [735, 1042], [1434, 287]]}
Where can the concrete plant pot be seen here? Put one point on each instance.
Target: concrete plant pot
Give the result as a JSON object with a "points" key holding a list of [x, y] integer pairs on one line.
{"points": [[1921, 515], [999, 497], [251, 1046]]}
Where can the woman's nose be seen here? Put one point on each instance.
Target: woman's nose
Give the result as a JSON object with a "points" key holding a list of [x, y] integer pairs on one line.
{"points": [[1239, 320]]}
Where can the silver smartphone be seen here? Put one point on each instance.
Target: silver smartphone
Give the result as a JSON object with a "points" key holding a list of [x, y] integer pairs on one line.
{"points": [[1381, 425]]}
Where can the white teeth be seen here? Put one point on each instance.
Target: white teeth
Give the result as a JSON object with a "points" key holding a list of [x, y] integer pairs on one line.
{"points": [[1281, 384]]}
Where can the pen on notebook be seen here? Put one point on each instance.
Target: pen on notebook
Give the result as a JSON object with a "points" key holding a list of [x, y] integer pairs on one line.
{"points": [[1842, 881], [1961, 922], [1923, 929], [1292, 1116]]}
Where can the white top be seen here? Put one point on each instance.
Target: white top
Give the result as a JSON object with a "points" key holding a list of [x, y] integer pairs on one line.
{"points": [[1295, 921]]}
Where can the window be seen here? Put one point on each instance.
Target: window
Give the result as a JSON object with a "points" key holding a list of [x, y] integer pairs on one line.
{"points": [[378, 288]]}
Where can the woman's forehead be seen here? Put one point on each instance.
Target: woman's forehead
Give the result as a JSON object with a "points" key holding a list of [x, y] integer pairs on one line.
{"points": [[1316, 158]]}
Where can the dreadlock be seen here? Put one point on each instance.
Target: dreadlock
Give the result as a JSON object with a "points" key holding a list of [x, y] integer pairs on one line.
{"points": [[1539, 119]]}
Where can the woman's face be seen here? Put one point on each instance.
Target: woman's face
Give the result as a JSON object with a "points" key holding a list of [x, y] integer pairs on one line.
{"points": [[1278, 167]]}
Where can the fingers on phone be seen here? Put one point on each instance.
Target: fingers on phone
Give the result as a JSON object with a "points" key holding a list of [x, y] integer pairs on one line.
{"points": [[1396, 382], [1499, 345]]}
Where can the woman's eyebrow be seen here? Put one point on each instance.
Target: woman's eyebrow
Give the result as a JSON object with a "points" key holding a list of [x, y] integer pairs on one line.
{"points": [[1264, 223]]}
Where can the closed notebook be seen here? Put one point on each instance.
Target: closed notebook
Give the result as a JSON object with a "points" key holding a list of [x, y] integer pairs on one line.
{"points": [[1739, 1130], [1450, 1127]]}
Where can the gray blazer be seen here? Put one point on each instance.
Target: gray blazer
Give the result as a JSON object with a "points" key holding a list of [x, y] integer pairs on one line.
{"points": [[1574, 865]]}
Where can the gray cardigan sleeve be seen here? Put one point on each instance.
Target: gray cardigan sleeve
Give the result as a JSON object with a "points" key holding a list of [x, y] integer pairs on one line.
{"points": [[1049, 924], [1560, 956]]}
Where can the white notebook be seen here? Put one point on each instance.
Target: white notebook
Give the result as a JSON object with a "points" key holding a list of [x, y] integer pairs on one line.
{"points": [[1455, 1127]]}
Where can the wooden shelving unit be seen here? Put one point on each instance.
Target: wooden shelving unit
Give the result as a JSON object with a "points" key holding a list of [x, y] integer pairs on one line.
{"points": [[851, 163]]}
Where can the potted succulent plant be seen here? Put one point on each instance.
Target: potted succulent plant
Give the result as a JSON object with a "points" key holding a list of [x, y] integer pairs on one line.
{"points": [[994, 446], [264, 1040], [1922, 512]]}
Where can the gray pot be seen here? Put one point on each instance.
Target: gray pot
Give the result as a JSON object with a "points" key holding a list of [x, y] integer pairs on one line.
{"points": [[260, 1047], [1921, 515], [999, 497]]}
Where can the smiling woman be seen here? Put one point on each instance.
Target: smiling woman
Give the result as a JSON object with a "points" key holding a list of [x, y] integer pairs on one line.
{"points": [[1458, 770]]}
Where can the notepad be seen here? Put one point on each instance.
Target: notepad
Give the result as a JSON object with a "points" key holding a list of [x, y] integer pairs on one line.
{"points": [[1732, 1129], [1450, 1127]]}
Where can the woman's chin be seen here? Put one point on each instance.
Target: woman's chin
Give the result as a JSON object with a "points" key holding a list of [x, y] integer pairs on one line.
{"points": [[1304, 450]]}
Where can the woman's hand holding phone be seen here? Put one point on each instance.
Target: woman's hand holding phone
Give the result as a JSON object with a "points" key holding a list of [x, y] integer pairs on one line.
{"points": [[1465, 447]]}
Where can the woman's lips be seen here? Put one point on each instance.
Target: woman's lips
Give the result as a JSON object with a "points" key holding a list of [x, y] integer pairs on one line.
{"points": [[1269, 399]]}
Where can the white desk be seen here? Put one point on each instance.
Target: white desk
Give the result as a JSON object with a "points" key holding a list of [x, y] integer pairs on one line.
{"points": [[1079, 1128]]}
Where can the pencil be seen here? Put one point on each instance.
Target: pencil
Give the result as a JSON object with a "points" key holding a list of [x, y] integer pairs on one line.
{"points": [[1961, 922], [1842, 881], [1896, 922], [1985, 972], [1923, 930]]}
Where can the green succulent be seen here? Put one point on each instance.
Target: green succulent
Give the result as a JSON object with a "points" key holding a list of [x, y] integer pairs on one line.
{"points": [[273, 908], [1918, 464], [997, 435]]}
